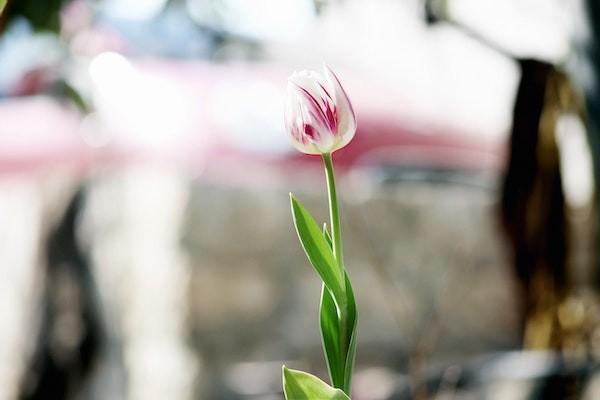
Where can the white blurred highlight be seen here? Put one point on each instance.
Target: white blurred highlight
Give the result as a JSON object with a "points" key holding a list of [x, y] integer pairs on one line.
{"points": [[134, 9], [530, 28], [20, 230], [250, 115], [143, 277], [575, 161], [138, 108], [93, 132], [279, 20]]}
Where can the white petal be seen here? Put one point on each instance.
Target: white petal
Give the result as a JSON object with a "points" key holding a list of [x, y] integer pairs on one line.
{"points": [[345, 113], [310, 81], [306, 149]]}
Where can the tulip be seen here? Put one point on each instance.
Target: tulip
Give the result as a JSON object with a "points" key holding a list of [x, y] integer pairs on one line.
{"points": [[319, 117]]}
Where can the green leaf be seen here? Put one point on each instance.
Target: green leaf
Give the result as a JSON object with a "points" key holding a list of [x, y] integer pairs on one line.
{"points": [[317, 249], [338, 317], [352, 322], [2, 5], [330, 331], [298, 385], [340, 361], [330, 336]]}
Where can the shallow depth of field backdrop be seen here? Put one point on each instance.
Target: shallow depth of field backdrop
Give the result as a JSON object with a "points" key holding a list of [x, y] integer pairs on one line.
{"points": [[146, 244]]}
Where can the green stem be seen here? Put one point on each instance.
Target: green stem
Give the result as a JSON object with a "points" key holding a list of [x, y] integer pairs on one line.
{"points": [[334, 215], [336, 237]]}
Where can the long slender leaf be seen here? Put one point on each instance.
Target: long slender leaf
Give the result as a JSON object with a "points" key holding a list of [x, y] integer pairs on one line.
{"points": [[340, 362], [2, 5], [330, 336], [317, 249], [330, 330], [352, 323], [337, 299], [298, 385]]}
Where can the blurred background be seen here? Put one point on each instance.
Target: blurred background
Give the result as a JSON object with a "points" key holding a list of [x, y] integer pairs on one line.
{"points": [[146, 245]]}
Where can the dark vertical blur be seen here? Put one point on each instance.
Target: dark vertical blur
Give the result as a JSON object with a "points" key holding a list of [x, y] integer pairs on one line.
{"points": [[70, 336], [533, 203]]}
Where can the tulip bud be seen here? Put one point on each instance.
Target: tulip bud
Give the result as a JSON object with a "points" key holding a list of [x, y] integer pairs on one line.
{"points": [[319, 117]]}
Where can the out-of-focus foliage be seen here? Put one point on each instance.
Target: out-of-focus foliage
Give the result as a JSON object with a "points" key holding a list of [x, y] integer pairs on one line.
{"points": [[43, 15]]}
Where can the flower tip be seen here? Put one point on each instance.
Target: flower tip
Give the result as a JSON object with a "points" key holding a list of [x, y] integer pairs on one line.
{"points": [[293, 201], [286, 373], [327, 70]]}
